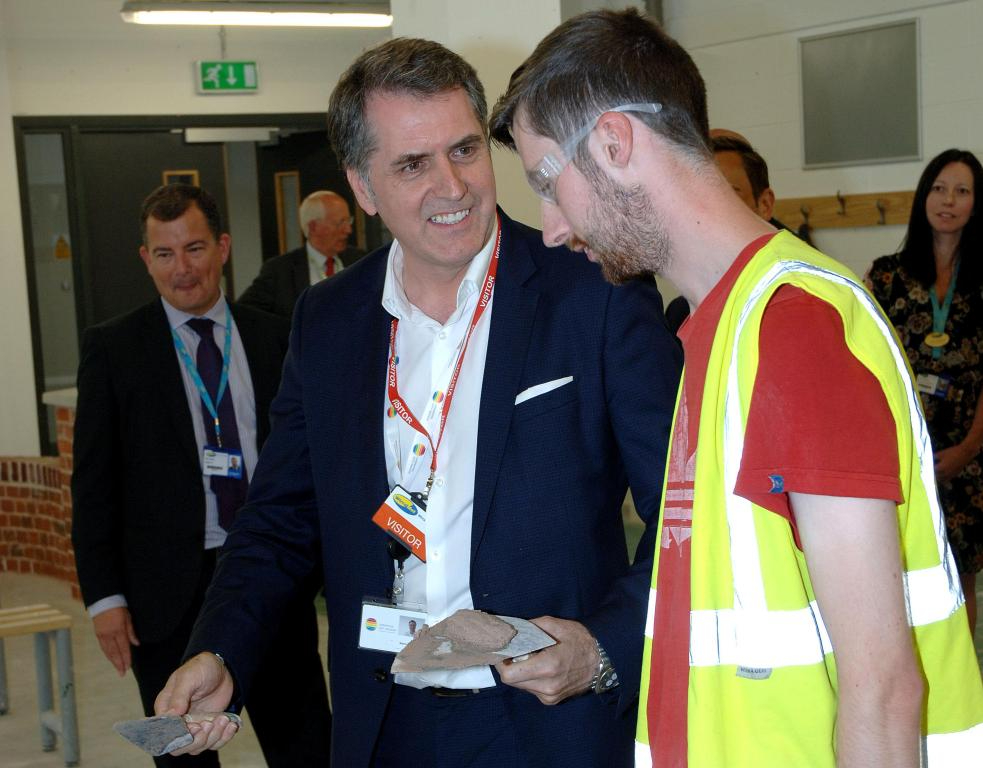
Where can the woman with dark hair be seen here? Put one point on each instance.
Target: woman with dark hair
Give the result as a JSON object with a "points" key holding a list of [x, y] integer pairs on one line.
{"points": [[932, 291]]}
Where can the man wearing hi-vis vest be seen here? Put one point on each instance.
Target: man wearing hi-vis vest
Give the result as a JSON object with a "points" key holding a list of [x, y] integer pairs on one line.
{"points": [[805, 609]]}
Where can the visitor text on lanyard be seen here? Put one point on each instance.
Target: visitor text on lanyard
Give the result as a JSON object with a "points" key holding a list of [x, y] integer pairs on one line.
{"points": [[400, 407]]}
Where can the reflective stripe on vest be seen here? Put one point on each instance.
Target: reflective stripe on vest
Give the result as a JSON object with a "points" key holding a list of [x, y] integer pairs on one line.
{"points": [[955, 749]]}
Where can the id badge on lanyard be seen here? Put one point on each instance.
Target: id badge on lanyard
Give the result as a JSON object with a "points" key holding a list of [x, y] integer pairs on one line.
{"points": [[933, 385], [387, 627], [216, 460], [401, 511], [403, 514], [222, 462]]}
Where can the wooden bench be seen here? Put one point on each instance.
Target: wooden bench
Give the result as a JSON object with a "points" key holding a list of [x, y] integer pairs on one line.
{"points": [[47, 623]]}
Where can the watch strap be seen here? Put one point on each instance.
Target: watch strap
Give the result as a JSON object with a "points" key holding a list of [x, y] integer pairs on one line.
{"points": [[605, 678]]}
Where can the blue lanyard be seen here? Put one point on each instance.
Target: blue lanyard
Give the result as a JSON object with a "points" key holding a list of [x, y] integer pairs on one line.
{"points": [[941, 314], [192, 369]]}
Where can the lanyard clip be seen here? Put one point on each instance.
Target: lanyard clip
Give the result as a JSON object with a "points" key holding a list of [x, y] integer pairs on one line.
{"points": [[399, 553]]}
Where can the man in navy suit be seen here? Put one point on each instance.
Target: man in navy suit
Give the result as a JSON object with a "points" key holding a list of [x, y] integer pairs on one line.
{"points": [[507, 384], [148, 517], [326, 223]]}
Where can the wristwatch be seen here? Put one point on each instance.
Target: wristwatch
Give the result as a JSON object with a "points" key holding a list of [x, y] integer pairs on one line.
{"points": [[605, 678]]}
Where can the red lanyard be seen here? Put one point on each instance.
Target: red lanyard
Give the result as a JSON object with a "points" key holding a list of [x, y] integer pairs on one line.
{"points": [[401, 409]]}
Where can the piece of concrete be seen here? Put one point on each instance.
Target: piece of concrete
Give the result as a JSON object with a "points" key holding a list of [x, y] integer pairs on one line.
{"points": [[164, 733], [432, 648]]}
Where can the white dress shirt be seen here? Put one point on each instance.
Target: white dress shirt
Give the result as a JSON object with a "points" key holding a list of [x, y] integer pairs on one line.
{"points": [[316, 262], [243, 400], [427, 353]]}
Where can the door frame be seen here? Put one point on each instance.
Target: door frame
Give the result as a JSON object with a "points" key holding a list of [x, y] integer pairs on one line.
{"points": [[70, 128]]}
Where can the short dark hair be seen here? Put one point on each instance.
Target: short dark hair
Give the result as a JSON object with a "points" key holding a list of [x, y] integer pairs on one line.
{"points": [[401, 66], [754, 164], [600, 60], [916, 253], [171, 201]]}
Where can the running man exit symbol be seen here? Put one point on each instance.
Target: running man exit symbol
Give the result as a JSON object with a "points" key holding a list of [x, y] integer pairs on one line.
{"points": [[227, 76]]}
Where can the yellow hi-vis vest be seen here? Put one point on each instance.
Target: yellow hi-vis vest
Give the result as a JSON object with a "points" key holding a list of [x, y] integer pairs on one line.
{"points": [[762, 672]]}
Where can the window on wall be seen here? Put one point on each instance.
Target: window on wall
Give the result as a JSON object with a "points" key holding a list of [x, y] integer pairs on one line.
{"points": [[52, 269], [860, 96], [288, 210]]}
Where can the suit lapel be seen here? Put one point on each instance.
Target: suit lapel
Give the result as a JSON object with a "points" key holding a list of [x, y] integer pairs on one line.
{"points": [[164, 363], [369, 376], [513, 312], [261, 349]]}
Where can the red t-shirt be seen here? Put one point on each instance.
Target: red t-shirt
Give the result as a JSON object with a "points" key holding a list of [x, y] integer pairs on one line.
{"points": [[819, 423]]}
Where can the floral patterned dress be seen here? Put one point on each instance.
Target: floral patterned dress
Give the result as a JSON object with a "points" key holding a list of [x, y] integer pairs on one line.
{"points": [[907, 304]]}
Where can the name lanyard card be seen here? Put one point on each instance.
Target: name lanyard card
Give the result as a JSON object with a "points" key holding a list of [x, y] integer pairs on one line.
{"points": [[217, 460], [934, 385], [400, 408], [403, 515], [388, 628], [404, 518], [392, 515]]}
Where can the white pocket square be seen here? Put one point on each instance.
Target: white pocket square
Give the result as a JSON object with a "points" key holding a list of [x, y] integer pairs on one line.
{"points": [[541, 389]]}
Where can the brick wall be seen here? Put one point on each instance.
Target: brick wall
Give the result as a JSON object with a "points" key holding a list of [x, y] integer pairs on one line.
{"points": [[36, 510]]}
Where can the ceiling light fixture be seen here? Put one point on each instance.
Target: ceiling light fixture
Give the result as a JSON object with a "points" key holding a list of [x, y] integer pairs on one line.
{"points": [[255, 14]]}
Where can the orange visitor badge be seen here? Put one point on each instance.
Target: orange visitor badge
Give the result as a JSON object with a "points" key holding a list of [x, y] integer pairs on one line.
{"points": [[405, 520]]}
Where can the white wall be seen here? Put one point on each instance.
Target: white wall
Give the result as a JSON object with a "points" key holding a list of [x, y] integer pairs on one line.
{"points": [[77, 57], [748, 54], [18, 404]]}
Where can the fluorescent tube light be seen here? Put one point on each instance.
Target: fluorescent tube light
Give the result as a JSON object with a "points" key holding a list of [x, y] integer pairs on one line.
{"points": [[252, 14]]}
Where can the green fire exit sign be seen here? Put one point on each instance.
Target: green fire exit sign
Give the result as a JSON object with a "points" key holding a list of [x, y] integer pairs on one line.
{"points": [[227, 76]]}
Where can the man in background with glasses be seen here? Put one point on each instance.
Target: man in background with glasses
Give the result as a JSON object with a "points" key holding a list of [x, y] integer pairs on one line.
{"points": [[804, 608], [326, 222]]}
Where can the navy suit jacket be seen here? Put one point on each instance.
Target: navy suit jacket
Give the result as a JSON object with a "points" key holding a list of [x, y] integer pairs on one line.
{"points": [[137, 495], [283, 278], [550, 477]]}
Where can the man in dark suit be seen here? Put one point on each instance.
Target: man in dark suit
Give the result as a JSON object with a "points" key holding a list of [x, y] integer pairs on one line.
{"points": [[326, 223], [506, 383], [156, 483]]}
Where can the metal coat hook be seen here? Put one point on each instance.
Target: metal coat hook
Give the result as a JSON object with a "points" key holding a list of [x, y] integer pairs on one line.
{"points": [[882, 210], [842, 201]]}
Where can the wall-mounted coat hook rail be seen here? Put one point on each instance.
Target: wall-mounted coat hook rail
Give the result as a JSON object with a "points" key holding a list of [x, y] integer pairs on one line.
{"points": [[864, 210]]}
